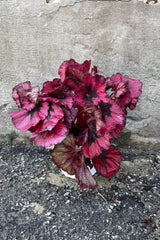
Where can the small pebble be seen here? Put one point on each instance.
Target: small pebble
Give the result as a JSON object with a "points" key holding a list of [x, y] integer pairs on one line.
{"points": [[115, 237], [48, 213]]}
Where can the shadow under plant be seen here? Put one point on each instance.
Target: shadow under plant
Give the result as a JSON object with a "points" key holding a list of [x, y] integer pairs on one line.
{"points": [[37, 202]]}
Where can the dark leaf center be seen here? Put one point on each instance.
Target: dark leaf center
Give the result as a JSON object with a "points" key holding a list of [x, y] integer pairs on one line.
{"points": [[89, 94], [92, 132], [105, 110]]}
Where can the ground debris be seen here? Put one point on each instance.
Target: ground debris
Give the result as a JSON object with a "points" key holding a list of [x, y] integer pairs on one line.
{"points": [[34, 207]]}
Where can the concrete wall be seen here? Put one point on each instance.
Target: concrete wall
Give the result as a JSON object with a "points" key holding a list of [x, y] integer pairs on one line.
{"points": [[118, 36]]}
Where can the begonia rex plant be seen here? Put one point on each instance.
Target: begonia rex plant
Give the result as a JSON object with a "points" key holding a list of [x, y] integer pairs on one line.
{"points": [[78, 113]]}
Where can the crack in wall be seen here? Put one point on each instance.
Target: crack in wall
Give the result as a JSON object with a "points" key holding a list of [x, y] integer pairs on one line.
{"points": [[145, 1], [109, 0], [61, 3]]}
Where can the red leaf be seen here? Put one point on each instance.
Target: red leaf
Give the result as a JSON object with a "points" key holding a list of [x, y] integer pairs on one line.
{"points": [[24, 120], [54, 115], [87, 64], [55, 92], [129, 97], [72, 73], [94, 71], [115, 132], [111, 115], [94, 143], [49, 87], [98, 78], [65, 154], [90, 92], [84, 176], [63, 69], [121, 89], [48, 138], [69, 116], [107, 163], [81, 119], [25, 96]]}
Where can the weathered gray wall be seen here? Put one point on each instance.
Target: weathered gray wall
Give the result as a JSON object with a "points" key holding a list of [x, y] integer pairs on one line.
{"points": [[118, 36]]}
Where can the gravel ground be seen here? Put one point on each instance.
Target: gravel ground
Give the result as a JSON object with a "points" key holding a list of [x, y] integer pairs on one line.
{"points": [[38, 202]]}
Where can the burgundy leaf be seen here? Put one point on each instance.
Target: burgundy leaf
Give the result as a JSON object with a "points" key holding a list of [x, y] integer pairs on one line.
{"points": [[96, 116], [87, 64], [25, 96], [57, 94], [81, 118], [73, 73], [118, 128], [109, 84], [95, 148], [94, 143], [111, 114], [55, 114], [84, 176], [124, 101], [63, 69], [24, 120], [121, 89], [69, 116], [107, 163], [94, 71], [48, 138], [98, 78], [65, 154], [133, 90], [91, 92], [19, 91], [49, 87]]}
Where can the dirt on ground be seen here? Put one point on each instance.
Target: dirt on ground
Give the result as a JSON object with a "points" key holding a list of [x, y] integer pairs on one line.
{"points": [[37, 202]]}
